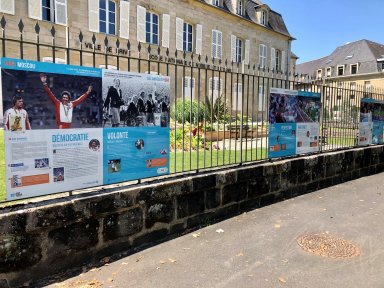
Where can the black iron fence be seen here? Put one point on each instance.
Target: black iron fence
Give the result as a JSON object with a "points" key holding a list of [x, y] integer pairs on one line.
{"points": [[219, 113]]}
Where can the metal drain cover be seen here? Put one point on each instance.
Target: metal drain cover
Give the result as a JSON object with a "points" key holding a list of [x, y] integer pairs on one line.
{"points": [[325, 245]]}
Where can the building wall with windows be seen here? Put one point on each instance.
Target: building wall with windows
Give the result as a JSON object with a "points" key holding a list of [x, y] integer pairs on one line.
{"points": [[243, 32], [358, 65]]}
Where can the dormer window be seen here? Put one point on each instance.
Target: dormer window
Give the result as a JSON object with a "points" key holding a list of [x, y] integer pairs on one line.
{"points": [[240, 7], [319, 74], [329, 72], [217, 3], [354, 69], [340, 70], [263, 18]]}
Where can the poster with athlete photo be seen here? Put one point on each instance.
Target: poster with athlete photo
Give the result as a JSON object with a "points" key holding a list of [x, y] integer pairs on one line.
{"points": [[294, 118], [68, 128], [39, 95], [136, 125], [282, 119], [371, 130]]}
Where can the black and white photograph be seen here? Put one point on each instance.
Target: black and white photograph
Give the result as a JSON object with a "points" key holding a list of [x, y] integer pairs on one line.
{"points": [[135, 100]]}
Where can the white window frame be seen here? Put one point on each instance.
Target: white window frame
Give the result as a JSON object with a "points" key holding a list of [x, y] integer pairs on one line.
{"points": [[217, 3], [216, 87], [263, 18], [151, 33], [199, 39], [237, 49], [185, 39], [166, 24], [7, 6], [237, 97], [277, 60], [188, 83], [240, 7], [262, 55], [338, 71], [108, 21], [35, 11], [217, 44], [328, 72], [124, 19], [357, 68], [319, 73]]}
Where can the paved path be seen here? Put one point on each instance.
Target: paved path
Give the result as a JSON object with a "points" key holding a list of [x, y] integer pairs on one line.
{"points": [[259, 248]]}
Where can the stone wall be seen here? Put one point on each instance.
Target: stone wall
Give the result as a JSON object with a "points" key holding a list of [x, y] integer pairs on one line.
{"points": [[43, 239]]}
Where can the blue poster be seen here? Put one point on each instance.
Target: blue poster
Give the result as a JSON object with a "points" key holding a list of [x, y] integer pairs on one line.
{"points": [[131, 153], [282, 119], [69, 127], [293, 122], [371, 130]]}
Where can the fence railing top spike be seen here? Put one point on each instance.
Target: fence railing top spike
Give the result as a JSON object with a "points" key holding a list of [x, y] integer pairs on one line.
{"points": [[21, 26], [106, 41], [158, 50], [149, 48], [93, 38], [129, 45], [3, 22], [139, 47], [81, 37], [37, 28], [167, 52], [117, 43], [53, 31], [199, 57]]}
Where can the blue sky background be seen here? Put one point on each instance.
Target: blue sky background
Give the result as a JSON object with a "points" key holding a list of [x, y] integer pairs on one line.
{"points": [[321, 26]]}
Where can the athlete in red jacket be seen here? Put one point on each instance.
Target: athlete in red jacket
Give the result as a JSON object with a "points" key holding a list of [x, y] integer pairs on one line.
{"points": [[64, 108]]}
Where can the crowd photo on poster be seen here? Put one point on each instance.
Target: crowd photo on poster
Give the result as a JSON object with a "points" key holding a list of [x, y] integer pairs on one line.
{"points": [[130, 100]]}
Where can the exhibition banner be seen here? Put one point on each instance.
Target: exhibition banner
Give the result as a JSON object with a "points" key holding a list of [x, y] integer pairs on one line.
{"points": [[293, 122], [67, 127], [371, 129]]}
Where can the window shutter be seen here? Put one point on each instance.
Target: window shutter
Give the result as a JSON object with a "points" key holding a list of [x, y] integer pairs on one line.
{"points": [[233, 48], [283, 61], [199, 39], [219, 45], [124, 19], [34, 9], [247, 49], [7, 6], [93, 15], [166, 26], [141, 14], [179, 33], [273, 60], [214, 44], [61, 11]]}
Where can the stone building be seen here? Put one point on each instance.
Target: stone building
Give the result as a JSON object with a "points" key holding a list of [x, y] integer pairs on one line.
{"points": [[246, 33], [355, 65]]}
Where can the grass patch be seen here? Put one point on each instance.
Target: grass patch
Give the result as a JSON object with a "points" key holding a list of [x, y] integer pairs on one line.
{"points": [[186, 161]]}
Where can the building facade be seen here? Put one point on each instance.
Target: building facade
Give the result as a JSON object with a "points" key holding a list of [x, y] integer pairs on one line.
{"points": [[357, 65], [240, 33]]}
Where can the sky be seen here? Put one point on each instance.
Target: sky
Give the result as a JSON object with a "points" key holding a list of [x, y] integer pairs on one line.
{"points": [[322, 26]]}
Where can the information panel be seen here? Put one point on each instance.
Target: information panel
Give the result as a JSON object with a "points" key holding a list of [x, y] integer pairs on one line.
{"points": [[371, 128], [293, 122], [69, 127]]}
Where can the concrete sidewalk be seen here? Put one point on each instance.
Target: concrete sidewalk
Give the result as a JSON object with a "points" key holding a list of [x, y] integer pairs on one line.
{"points": [[260, 249]]}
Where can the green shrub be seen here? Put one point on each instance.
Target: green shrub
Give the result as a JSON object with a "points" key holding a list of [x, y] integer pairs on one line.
{"points": [[189, 111]]}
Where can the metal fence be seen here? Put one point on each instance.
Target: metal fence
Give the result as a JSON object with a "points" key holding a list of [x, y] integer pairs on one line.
{"points": [[219, 112]]}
